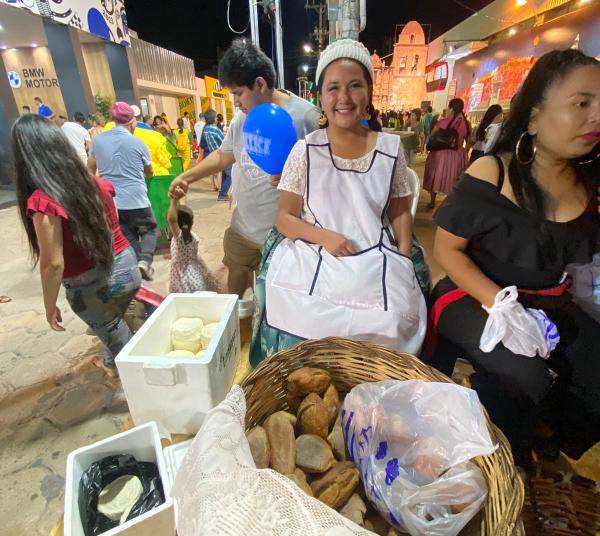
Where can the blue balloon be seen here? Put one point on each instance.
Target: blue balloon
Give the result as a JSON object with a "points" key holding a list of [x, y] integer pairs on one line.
{"points": [[269, 135]]}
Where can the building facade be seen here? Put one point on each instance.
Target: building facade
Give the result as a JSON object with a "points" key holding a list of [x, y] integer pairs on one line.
{"points": [[400, 85]]}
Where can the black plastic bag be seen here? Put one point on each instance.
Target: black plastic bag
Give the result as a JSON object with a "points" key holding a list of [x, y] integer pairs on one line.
{"points": [[100, 474]]}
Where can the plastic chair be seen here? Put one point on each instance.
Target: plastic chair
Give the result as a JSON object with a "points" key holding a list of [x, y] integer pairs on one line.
{"points": [[415, 188]]}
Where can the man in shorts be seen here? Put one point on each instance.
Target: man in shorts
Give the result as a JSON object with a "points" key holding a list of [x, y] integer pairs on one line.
{"points": [[250, 77]]}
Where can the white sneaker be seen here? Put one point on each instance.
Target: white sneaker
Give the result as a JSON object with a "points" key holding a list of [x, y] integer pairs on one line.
{"points": [[146, 270]]}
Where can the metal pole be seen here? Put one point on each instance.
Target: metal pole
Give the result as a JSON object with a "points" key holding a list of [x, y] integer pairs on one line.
{"points": [[279, 43], [254, 22]]}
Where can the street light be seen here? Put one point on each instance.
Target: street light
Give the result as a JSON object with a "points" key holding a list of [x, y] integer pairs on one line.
{"points": [[307, 48], [520, 3], [305, 68]]}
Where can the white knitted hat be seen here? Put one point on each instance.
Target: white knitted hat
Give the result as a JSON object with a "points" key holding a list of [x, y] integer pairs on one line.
{"points": [[345, 48]]}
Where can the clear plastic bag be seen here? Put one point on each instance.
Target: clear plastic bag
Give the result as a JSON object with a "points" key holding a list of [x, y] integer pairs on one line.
{"points": [[527, 332], [412, 442]]}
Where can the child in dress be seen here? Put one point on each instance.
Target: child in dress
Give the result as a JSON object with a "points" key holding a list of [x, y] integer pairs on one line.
{"points": [[188, 272]]}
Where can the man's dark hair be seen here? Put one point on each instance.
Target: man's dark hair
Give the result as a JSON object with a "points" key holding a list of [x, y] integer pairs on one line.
{"points": [[26, 108], [37, 99], [429, 109], [79, 117], [210, 116], [185, 113], [243, 63]]}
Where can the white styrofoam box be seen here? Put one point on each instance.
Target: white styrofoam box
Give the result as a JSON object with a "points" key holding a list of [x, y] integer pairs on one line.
{"points": [[174, 455], [143, 442], [177, 392]]}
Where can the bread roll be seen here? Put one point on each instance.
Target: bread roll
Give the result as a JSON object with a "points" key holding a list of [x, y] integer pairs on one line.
{"points": [[336, 442], [308, 380], [313, 454], [181, 353], [313, 417], [259, 447], [299, 478], [336, 486], [208, 332], [331, 398], [355, 509], [282, 443]]}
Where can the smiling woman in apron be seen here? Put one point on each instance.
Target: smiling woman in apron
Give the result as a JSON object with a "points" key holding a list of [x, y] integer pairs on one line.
{"points": [[344, 196]]}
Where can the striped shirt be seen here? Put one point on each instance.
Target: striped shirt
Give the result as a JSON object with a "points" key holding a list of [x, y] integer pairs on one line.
{"points": [[213, 137]]}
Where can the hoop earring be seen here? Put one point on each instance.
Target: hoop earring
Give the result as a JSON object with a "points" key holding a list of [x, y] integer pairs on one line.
{"points": [[590, 161], [323, 121], [518, 150]]}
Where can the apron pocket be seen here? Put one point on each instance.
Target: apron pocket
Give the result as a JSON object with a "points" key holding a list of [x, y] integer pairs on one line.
{"points": [[404, 294], [355, 281], [293, 266]]}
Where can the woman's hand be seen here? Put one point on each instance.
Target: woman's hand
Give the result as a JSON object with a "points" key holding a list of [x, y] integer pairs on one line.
{"points": [[54, 318], [337, 245]]}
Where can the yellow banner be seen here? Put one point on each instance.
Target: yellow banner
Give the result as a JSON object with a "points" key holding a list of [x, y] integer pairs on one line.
{"points": [[229, 110], [205, 103], [186, 104], [214, 89]]}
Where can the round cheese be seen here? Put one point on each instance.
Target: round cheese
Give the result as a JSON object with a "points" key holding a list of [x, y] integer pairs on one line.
{"points": [[119, 497], [208, 332], [186, 334]]}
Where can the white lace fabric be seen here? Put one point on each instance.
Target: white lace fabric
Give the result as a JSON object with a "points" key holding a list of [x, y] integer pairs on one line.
{"points": [[219, 491], [293, 176]]}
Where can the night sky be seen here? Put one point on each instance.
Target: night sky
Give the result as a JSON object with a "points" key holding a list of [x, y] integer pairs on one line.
{"points": [[198, 29]]}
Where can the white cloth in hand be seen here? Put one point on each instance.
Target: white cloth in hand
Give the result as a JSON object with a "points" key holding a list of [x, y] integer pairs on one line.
{"points": [[527, 332]]}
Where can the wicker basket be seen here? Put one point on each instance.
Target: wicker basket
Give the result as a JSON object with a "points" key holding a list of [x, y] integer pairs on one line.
{"points": [[350, 363]]}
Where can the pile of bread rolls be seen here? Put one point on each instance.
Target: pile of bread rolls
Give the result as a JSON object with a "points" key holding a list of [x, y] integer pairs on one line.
{"points": [[308, 447]]}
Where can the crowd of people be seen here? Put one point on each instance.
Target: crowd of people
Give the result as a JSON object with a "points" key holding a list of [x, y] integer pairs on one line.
{"points": [[328, 244]]}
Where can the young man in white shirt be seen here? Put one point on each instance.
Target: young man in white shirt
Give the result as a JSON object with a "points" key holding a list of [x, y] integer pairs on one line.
{"points": [[250, 77], [77, 135]]}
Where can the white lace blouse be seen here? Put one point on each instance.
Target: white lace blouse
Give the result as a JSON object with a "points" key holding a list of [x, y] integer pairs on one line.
{"points": [[293, 176]]}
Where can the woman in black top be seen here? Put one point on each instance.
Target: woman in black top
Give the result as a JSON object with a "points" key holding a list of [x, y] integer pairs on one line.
{"points": [[519, 218]]}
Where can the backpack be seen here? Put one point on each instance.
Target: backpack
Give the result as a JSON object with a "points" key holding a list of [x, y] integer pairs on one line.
{"points": [[443, 138]]}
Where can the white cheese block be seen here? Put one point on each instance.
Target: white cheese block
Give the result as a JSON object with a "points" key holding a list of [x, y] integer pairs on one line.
{"points": [[181, 353], [208, 332], [186, 334], [119, 497]]}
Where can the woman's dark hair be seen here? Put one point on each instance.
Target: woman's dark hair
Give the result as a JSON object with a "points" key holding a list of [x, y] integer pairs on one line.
{"points": [[549, 69], [79, 117], [209, 116], [156, 119], [185, 220], [45, 160], [180, 125], [373, 123], [417, 112], [457, 106], [243, 63], [489, 116]]}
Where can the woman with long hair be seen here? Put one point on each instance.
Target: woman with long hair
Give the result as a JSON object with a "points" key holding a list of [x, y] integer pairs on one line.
{"points": [[444, 166], [343, 266], [485, 130], [73, 231], [515, 223]]}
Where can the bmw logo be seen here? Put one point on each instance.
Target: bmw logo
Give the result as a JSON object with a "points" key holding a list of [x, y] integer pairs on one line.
{"points": [[14, 79]]}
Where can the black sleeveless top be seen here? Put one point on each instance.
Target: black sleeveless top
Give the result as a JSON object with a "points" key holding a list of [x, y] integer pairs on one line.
{"points": [[507, 243]]}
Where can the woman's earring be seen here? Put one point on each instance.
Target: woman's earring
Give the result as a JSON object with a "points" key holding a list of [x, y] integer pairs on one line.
{"points": [[323, 121], [518, 150], [586, 162]]}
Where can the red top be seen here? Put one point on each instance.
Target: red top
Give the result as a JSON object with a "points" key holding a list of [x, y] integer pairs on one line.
{"points": [[76, 262]]}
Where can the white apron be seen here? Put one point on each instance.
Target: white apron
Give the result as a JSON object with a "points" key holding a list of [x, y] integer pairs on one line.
{"points": [[370, 296]]}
